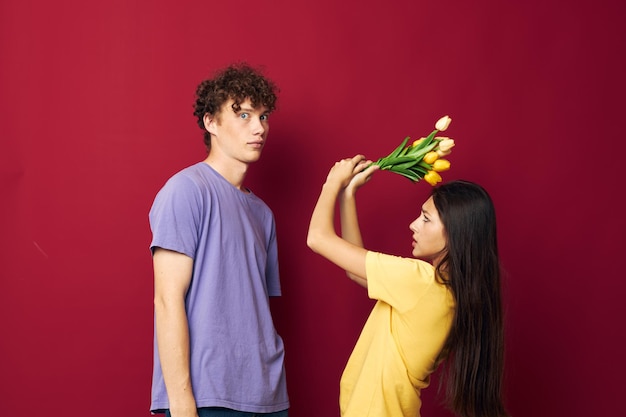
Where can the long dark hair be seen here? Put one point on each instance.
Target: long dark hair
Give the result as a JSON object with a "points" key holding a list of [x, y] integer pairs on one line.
{"points": [[473, 371]]}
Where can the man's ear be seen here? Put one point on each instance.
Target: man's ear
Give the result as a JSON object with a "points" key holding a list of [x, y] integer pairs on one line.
{"points": [[209, 123]]}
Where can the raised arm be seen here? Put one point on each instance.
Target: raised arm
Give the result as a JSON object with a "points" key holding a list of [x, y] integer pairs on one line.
{"points": [[347, 252], [350, 229], [172, 276]]}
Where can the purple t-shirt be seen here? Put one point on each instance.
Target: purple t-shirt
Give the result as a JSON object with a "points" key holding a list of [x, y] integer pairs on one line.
{"points": [[236, 355]]}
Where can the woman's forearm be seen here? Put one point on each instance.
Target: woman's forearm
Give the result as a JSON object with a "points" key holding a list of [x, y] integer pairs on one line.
{"points": [[321, 227], [323, 239], [345, 252], [350, 229]]}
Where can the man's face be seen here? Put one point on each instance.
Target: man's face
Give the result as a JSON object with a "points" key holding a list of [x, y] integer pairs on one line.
{"points": [[239, 135]]}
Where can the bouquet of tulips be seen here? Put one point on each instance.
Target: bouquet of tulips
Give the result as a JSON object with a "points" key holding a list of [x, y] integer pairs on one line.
{"points": [[423, 159]]}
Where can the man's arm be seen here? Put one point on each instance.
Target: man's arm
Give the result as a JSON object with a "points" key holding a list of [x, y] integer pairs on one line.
{"points": [[172, 276]]}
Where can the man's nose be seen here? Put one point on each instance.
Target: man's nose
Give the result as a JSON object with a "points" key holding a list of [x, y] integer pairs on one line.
{"points": [[258, 127]]}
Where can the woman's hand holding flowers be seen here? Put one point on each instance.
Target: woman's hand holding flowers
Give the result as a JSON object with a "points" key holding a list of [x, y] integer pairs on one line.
{"points": [[351, 172]]}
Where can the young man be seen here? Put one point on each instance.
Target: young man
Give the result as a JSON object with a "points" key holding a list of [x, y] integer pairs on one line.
{"points": [[216, 265]]}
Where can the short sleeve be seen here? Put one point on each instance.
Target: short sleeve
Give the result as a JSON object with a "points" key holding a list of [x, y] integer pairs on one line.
{"points": [[176, 216], [397, 281]]}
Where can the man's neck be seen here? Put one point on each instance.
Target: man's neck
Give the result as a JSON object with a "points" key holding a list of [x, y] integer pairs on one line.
{"points": [[233, 171]]}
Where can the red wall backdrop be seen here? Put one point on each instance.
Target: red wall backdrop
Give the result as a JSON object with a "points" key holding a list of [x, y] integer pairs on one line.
{"points": [[96, 113]]}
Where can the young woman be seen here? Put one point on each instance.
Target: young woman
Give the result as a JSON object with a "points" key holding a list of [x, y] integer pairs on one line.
{"points": [[443, 306]]}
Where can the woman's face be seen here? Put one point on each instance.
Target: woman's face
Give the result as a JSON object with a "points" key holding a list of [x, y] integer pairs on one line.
{"points": [[429, 239]]}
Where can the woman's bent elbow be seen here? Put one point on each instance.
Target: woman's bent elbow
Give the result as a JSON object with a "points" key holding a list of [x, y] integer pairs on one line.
{"points": [[311, 242]]}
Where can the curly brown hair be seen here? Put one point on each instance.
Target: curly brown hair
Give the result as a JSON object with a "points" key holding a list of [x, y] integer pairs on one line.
{"points": [[237, 82]]}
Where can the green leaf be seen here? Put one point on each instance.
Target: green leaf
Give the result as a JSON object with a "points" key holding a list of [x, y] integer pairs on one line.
{"points": [[408, 174], [427, 141], [399, 149], [407, 164], [389, 161], [425, 165], [419, 169], [400, 160], [432, 134], [419, 155]]}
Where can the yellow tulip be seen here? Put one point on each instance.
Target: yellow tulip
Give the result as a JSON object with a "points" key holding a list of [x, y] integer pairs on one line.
{"points": [[442, 154], [443, 123], [445, 144], [431, 157], [441, 165], [432, 178], [417, 142]]}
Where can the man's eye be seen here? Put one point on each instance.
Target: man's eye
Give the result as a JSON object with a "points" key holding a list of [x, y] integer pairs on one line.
{"points": [[244, 115], [265, 117]]}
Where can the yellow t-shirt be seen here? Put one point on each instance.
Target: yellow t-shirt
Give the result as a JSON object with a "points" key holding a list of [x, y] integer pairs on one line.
{"points": [[399, 344]]}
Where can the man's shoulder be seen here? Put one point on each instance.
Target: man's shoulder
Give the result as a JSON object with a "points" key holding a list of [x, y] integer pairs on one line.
{"points": [[192, 174], [188, 181], [191, 170]]}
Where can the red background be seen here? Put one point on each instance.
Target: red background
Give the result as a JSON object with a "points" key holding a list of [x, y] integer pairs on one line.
{"points": [[96, 113]]}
